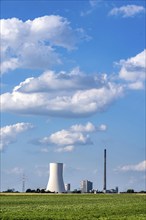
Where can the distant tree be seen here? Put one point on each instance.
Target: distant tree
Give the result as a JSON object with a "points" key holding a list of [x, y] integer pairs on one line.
{"points": [[130, 191], [28, 191], [142, 191], [42, 191], [38, 190], [9, 191]]}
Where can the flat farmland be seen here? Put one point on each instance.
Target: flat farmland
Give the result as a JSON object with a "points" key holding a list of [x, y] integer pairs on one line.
{"points": [[72, 206]]}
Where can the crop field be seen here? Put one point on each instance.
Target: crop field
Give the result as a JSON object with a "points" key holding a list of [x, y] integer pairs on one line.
{"points": [[72, 206]]}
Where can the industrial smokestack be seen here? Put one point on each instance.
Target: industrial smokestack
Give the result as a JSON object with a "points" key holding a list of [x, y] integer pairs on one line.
{"points": [[104, 185], [55, 183]]}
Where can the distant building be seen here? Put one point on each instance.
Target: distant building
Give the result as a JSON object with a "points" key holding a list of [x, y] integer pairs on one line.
{"points": [[116, 190], [86, 186], [67, 187]]}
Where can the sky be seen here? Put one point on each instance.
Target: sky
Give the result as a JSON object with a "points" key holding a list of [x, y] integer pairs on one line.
{"points": [[72, 85]]}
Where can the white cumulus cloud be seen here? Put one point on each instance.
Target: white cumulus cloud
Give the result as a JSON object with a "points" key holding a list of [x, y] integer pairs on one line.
{"points": [[102, 127], [89, 127], [62, 94], [136, 167], [133, 70], [9, 133], [136, 85], [33, 43], [66, 139], [52, 81], [93, 4], [127, 11]]}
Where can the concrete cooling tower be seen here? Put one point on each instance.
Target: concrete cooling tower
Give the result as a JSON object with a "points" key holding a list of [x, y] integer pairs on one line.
{"points": [[55, 183]]}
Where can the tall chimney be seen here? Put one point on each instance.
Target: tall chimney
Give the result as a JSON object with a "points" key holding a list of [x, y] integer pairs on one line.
{"points": [[104, 185]]}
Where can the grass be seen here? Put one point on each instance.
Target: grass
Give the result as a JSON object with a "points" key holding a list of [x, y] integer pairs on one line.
{"points": [[72, 206]]}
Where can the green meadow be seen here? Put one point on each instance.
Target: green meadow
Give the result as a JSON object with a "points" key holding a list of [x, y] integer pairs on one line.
{"points": [[72, 206]]}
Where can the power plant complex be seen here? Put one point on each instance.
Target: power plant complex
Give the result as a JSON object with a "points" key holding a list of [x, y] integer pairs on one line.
{"points": [[56, 183]]}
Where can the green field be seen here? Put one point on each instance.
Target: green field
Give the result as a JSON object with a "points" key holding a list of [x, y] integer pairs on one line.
{"points": [[72, 206]]}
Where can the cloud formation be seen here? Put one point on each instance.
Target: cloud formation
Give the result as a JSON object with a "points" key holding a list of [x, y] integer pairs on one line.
{"points": [[68, 148], [127, 11], [9, 133], [93, 4], [62, 94], [66, 140], [74, 94], [89, 127], [33, 43], [133, 70], [136, 167], [67, 137]]}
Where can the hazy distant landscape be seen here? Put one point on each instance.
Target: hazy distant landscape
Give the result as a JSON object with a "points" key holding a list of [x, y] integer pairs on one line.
{"points": [[72, 206]]}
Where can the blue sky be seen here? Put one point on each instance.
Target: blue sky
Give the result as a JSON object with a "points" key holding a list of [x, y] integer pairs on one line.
{"points": [[73, 84]]}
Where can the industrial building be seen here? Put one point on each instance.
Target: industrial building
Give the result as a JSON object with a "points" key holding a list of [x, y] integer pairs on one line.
{"points": [[67, 187], [86, 186], [56, 183]]}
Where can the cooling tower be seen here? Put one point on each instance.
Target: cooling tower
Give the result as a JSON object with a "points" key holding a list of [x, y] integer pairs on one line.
{"points": [[55, 183]]}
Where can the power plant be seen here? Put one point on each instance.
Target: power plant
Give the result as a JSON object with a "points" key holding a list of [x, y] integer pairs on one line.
{"points": [[56, 183]]}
